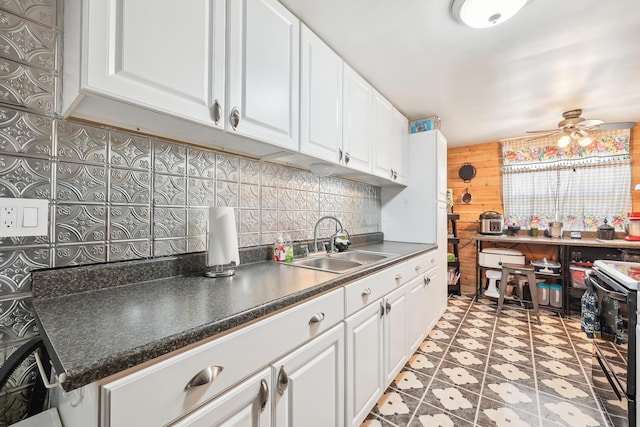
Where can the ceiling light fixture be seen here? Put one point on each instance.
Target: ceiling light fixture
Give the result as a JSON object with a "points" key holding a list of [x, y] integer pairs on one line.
{"points": [[580, 135], [584, 139], [564, 140], [485, 13]]}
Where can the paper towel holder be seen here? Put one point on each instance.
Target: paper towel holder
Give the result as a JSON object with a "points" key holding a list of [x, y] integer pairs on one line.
{"points": [[219, 271]]}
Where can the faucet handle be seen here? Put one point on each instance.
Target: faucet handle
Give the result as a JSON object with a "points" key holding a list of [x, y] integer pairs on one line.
{"points": [[305, 250]]}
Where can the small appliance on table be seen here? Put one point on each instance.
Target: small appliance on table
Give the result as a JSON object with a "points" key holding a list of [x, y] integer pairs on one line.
{"points": [[632, 226]]}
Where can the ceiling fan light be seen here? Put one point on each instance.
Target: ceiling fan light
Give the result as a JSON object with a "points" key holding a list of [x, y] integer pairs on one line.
{"points": [[485, 13], [585, 141], [564, 140]]}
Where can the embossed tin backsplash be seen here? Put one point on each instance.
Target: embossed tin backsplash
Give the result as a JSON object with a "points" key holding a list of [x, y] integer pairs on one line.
{"points": [[116, 195]]}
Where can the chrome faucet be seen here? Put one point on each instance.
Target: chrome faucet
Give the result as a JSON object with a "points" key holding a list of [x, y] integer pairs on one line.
{"points": [[315, 233]]}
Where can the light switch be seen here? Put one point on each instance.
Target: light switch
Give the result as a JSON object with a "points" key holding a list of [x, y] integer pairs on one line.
{"points": [[30, 216]]}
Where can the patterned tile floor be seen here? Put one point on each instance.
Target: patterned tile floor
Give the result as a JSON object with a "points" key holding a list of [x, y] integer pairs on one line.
{"points": [[475, 369]]}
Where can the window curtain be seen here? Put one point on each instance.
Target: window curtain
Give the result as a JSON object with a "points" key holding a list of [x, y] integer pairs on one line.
{"points": [[579, 186]]}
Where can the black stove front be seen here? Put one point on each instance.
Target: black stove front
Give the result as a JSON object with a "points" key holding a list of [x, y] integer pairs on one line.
{"points": [[614, 352]]}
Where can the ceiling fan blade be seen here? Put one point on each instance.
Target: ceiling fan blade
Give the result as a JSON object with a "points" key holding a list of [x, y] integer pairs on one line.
{"points": [[544, 136], [545, 131], [618, 125], [590, 123]]}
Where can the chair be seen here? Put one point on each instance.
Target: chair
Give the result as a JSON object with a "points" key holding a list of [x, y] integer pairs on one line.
{"points": [[519, 270]]}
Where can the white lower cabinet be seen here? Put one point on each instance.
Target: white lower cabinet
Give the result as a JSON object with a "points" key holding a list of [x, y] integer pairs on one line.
{"points": [[395, 333], [364, 362], [245, 405], [308, 384], [425, 306], [376, 352]]}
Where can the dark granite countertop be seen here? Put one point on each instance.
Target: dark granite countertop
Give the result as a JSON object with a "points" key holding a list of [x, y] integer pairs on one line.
{"points": [[97, 333]]}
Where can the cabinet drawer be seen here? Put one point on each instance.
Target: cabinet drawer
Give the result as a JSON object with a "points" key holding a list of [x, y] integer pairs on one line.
{"points": [[158, 395], [370, 288], [423, 263]]}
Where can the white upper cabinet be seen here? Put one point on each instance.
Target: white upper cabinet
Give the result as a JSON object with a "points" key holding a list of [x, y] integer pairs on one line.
{"points": [[264, 72], [320, 99], [399, 144], [357, 129], [148, 54], [382, 136], [390, 138]]}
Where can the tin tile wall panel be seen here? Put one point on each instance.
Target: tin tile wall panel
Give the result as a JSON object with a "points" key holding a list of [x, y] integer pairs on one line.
{"points": [[26, 86], [17, 323], [25, 177], [81, 183], [27, 42], [81, 143], [132, 249], [129, 151], [130, 186], [42, 11], [169, 158], [72, 254], [201, 163], [25, 134]]}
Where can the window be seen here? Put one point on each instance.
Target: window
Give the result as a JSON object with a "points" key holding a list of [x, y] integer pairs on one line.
{"points": [[579, 186]]}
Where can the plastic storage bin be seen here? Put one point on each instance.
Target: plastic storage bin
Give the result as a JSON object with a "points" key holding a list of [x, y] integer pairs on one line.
{"points": [[555, 295], [543, 293]]}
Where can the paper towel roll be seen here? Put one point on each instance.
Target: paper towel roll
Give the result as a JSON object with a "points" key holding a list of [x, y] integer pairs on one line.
{"points": [[222, 239]]}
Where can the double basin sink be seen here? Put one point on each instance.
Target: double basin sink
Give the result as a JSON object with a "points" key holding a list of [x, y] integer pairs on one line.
{"points": [[340, 262]]}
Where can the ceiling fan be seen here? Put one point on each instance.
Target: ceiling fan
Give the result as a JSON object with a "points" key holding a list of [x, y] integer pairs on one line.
{"points": [[575, 128]]}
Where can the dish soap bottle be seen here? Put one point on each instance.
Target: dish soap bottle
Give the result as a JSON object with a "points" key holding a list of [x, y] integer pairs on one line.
{"points": [[278, 250], [288, 247]]}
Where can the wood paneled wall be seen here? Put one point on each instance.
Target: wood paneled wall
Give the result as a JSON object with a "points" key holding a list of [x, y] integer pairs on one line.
{"points": [[486, 191]]}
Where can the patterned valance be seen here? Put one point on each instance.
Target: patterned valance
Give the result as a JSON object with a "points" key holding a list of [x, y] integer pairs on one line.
{"points": [[543, 153]]}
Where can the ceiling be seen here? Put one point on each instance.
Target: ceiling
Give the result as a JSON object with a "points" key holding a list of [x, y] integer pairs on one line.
{"points": [[494, 83]]}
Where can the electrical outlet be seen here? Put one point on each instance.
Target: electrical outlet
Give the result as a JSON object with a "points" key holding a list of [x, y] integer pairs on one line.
{"points": [[24, 217], [8, 217]]}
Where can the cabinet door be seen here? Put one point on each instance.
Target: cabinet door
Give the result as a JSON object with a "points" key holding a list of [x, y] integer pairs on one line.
{"points": [[399, 141], [357, 124], [395, 333], [155, 55], [245, 405], [382, 136], [418, 318], [320, 99], [309, 383], [264, 72], [364, 362], [436, 297]]}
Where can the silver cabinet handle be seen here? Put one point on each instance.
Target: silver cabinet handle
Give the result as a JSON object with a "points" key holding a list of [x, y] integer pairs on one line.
{"points": [[234, 118], [283, 381], [395, 175], [216, 112], [418, 267], [205, 376], [339, 154], [264, 394], [317, 318], [381, 308], [387, 307], [391, 173], [427, 279], [398, 276], [366, 292], [346, 158]]}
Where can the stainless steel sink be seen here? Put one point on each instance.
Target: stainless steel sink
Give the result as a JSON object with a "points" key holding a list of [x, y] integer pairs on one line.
{"points": [[360, 256], [340, 262]]}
